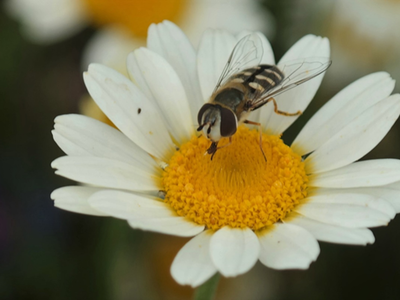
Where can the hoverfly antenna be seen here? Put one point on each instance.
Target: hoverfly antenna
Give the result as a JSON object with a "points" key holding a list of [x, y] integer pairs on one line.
{"points": [[201, 127]]}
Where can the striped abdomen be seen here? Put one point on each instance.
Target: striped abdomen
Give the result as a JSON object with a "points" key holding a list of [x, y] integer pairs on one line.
{"points": [[259, 79]]}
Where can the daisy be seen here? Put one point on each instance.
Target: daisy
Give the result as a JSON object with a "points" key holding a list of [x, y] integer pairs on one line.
{"points": [[238, 208]]}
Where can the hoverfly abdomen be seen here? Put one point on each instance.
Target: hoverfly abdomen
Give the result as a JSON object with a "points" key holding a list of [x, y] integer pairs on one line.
{"points": [[259, 79]]}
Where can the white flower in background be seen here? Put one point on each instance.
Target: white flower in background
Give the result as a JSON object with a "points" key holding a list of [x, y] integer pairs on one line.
{"points": [[48, 21], [238, 208], [363, 36]]}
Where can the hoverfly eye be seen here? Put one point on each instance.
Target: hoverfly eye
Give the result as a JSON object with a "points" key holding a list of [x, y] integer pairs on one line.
{"points": [[202, 110], [228, 122]]}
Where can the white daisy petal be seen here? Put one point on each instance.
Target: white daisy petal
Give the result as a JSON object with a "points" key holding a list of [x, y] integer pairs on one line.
{"points": [[327, 196], [78, 135], [357, 138], [299, 97], [124, 205], [342, 109], [68, 146], [394, 185], [75, 199], [170, 42], [267, 52], [105, 172], [331, 233], [168, 92], [126, 106], [234, 251], [173, 225], [192, 265], [137, 77], [287, 246], [144, 213], [388, 193], [347, 210], [391, 193], [307, 46], [268, 55], [363, 173], [214, 50]]}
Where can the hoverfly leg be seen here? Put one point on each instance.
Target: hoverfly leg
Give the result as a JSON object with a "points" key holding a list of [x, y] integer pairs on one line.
{"points": [[226, 145], [212, 155], [214, 147], [283, 113], [260, 131]]}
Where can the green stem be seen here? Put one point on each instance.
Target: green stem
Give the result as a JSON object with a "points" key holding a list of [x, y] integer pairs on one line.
{"points": [[207, 290]]}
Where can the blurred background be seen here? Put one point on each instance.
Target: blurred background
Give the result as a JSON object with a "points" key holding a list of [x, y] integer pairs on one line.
{"points": [[48, 253]]}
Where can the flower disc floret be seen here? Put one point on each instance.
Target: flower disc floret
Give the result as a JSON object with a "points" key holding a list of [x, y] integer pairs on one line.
{"points": [[238, 188]]}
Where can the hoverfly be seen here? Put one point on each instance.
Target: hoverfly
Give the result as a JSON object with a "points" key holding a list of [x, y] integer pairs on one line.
{"points": [[246, 85]]}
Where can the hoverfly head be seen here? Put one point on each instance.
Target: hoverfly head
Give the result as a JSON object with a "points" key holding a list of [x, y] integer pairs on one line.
{"points": [[216, 121]]}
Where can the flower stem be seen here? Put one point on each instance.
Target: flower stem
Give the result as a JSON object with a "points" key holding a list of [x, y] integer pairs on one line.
{"points": [[207, 290]]}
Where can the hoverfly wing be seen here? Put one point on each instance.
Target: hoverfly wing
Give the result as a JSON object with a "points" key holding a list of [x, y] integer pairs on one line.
{"points": [[301, 70], [247, 53], [296, 72]]}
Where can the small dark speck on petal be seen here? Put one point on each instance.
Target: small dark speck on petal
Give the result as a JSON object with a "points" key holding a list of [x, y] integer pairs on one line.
{"points": [[161, 194], [139, 111]]}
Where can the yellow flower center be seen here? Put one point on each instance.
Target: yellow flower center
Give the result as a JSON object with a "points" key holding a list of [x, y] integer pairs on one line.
{"points": [[238, 188], [135, 15]]}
